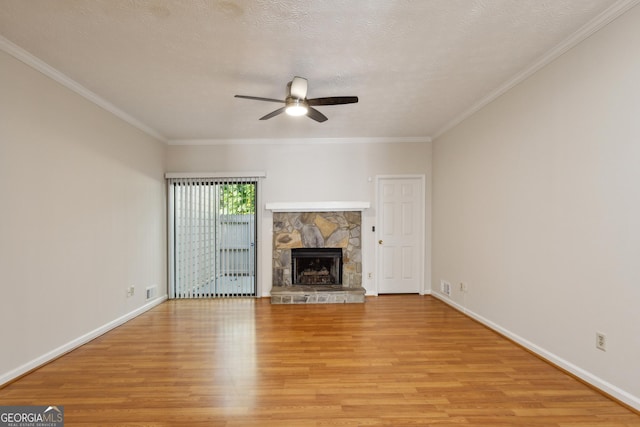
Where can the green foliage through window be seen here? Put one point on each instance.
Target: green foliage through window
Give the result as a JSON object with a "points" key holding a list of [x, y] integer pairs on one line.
{"points": [[238, 199]]}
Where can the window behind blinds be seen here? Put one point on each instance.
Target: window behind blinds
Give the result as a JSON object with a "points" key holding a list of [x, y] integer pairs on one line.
{"points": [[212, 233]]}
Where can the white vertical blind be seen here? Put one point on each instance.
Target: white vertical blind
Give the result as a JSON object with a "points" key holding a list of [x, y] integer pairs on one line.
{"points": [[212, 237]]}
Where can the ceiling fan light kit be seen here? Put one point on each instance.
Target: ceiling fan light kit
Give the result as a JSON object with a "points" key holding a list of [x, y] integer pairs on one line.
{"points": [[297, 104], [296, 107]]}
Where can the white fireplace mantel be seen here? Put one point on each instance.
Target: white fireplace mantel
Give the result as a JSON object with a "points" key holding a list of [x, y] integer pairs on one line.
{"points": [[316, 206]]}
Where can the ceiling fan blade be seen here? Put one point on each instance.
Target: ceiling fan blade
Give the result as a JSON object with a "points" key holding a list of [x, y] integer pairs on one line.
{"points": [[316, 115], [298, 88], [333, 100], [257, 98], [273, 113]]}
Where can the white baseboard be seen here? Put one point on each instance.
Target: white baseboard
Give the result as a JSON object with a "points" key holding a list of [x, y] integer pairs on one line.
{"points": [[65, 348], [588, 377]]}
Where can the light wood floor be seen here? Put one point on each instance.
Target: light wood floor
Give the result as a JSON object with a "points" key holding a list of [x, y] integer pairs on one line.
{"points": [[393, 361]]}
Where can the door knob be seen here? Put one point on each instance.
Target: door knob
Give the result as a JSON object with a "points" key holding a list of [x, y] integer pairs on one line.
{"points": [[379, 242]]}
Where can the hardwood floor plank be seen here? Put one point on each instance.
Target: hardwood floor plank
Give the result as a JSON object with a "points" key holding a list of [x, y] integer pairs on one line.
{"points": [[401, 360]]}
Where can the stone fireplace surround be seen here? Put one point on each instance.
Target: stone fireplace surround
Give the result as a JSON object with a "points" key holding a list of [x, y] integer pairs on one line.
{"points": [[317, 229]]}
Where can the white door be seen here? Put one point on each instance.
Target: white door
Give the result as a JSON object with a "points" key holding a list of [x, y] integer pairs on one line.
{"points": [[400, 235]]}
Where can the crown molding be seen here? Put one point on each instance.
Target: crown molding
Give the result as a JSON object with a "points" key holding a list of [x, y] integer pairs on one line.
{"points": [[591, 27], [44, 68], [291, 141]]}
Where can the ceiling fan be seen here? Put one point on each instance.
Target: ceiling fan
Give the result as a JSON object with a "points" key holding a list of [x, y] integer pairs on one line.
{"points": [[297, 104]]}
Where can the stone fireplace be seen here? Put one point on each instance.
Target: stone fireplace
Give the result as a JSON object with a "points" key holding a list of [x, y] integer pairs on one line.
{"points": [[317, 257]]}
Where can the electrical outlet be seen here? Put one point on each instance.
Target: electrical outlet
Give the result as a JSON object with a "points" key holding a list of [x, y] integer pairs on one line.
{"points": [[370, 275], [131, 290], [601, 341], [463, 287]]}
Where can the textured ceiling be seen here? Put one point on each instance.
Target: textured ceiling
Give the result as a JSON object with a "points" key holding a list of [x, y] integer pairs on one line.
{"points": [[174, 66]]}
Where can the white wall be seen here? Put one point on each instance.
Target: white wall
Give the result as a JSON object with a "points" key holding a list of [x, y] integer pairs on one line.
{"points": [[82, 217], [537, 207], [306, 172]]}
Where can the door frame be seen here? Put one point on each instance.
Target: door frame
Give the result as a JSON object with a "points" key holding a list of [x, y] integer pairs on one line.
{"points": [[422, 215]]}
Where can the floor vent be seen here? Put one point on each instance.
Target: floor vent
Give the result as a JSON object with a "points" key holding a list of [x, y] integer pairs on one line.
{"points": [[445, 287]]}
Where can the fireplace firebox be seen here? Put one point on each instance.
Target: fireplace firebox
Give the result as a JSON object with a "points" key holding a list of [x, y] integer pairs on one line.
{"points": [[316, 266]]}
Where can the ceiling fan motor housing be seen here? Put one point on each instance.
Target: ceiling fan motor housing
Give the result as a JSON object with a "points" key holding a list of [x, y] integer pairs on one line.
{"points": [[297, 88]]}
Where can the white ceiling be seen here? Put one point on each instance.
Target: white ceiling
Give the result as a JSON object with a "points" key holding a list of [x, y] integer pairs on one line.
{"points": [[173, 67]]}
